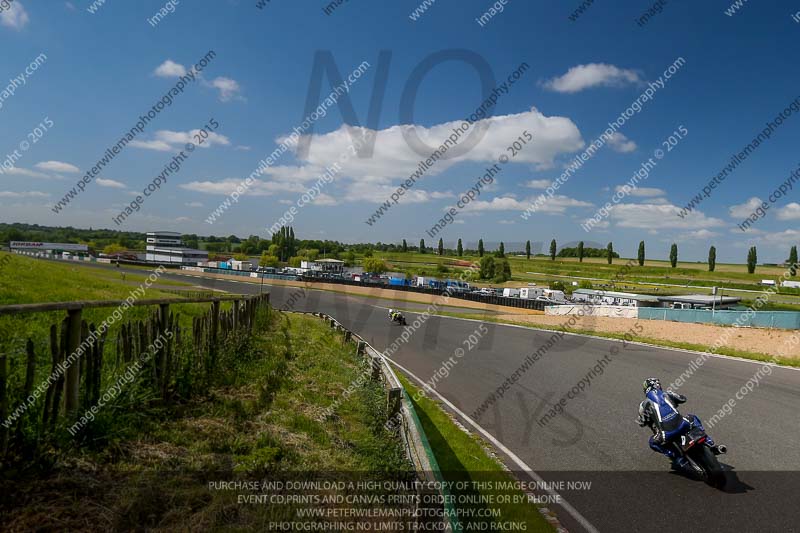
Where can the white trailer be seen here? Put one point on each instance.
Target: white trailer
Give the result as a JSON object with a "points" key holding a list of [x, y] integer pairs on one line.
{"points": [[554, 295], [511, 293], [791, 284], [530, 293]]}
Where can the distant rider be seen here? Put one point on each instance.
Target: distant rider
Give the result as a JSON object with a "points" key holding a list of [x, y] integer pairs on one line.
{"points": [[659, 412], [394, 315]]}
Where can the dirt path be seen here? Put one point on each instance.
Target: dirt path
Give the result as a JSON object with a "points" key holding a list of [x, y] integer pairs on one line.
{"points": [[776, 342]]}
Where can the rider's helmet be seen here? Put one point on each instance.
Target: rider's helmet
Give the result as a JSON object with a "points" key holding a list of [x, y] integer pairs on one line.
{"points": [[391, 311], [651, 384]]}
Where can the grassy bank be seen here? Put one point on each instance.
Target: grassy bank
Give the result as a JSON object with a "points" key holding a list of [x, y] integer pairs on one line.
{"points": [[463, 457], [161, 467]]}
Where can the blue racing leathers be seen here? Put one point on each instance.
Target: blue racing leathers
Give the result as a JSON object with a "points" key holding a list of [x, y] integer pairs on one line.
{"points": [[660, 412]]}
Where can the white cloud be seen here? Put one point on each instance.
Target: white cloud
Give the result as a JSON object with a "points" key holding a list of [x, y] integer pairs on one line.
{"points": [[228, 88], [258, 188], [538, 184], [642, 191], [660, 216], [591, 75], [701, 234], [103, 182], [57, 166], [14, 16], [373, 179], [746, 209], [18, 171], [170, 69], [619, 143], [790, 211], [393, 159], [168, 141], [325, 199], [556, 204], [784, 238], [26, 194], [243, 148], [193, 204]]}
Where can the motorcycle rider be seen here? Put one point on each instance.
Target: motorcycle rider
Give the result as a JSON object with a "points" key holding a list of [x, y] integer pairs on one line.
{"points": [[659, 412], [394, 315]]}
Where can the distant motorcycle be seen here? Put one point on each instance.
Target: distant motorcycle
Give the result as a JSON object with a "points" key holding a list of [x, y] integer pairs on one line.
{"points": [[398, 317], [701, 457]]}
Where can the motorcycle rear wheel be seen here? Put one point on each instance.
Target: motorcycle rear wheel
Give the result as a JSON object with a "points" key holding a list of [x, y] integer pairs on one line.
{"points": [[715, 475]]}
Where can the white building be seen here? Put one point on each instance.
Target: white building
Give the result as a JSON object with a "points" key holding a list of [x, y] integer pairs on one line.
{"points": [[332, 266], [167, 247], [47, 248]]}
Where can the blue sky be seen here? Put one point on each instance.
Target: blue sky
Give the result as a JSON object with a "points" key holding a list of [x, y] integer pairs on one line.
{"points": [[104, 69]]}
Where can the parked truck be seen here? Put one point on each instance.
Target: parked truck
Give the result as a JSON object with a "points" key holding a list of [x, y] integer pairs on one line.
{"points": [[457, 286]]}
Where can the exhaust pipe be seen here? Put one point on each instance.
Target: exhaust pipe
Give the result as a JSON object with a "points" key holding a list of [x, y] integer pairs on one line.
{"points": [[721, 449]]}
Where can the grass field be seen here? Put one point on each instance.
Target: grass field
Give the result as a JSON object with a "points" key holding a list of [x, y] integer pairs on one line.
{"points": [[655, 277], [463, 457], [25, 280]]}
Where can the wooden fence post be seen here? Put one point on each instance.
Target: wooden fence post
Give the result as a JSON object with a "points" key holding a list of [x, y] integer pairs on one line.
{"points": [[3, 407], [30, 369], [214, 331], [163, 320], [71, 392]]}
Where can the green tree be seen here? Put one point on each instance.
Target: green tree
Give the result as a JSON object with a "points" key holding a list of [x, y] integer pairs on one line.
{"points": [[585, 284], [375, 265], [580, 252], [752, 260], [459, 248], [113, 249], [641, 253], [350, 258], [422, 246], [502, 271], [553, 247], [405, 246], [501, 251], [528, 250], [610, 253], [673, 255], [487, 269], [480, 248], [440, 247], [712, 259], [557, 286], [268, 260], [793, 261]]}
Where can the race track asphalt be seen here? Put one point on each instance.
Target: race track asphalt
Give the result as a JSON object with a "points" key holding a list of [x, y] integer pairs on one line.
{"points": [[596, 438]]}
